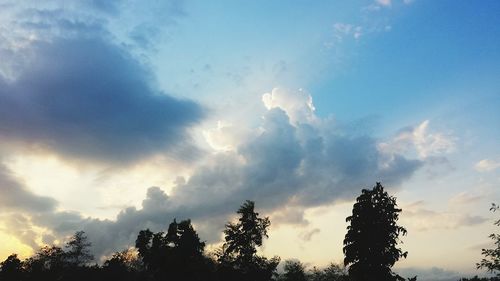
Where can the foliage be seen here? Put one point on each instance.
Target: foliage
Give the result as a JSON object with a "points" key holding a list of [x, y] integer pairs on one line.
{"points": [[492, 256], [238, 258], [177, 254], [11, 268], [78, 250], [332, 272], [293, 271], [370, 245]]}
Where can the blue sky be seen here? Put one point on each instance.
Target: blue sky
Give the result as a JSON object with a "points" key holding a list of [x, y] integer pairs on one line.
{"points": [[117, 116]]}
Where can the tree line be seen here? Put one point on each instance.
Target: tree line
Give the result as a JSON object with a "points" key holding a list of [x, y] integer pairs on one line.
{"points": [[370, 250]]}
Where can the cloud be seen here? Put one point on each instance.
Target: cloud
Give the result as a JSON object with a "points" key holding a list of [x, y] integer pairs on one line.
{"points": [[487, 165], [421, 218], [465, 198], [286, 166], [418, 140], [88, 98], [342, 30], [16, 197], [131, 23], [307, 235], [298, 105]]}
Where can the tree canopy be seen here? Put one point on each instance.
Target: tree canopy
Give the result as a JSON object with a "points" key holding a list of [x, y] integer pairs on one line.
{"points": [[239, 257], [370, 245]]}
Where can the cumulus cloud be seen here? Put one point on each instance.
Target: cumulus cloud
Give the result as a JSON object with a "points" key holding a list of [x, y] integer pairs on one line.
{"points": [[298, 105]]}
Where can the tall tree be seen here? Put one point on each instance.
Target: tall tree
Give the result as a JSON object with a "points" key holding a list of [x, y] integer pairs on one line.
{"points": [[239, 253], [492, 256], [370, 245], [78, 250], [177, 254]]}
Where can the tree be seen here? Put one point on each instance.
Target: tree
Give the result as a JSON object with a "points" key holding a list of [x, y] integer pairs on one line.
{"points": [[332, 272], [177, 254], [293, 271], [122, 265], [11, 268], [370, 245], [78, 250], [47, 264], [238, 258], [492, 256]]}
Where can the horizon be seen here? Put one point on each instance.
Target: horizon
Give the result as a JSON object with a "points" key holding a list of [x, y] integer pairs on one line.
{"points": [[121, 116]]}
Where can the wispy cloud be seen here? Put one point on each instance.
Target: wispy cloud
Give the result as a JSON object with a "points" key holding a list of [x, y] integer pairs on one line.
{"points": [[487, 165], [420, 140], [422, 218]]}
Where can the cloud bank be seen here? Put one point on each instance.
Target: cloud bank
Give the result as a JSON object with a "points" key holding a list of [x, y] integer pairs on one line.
{"points": [[285, 166]]}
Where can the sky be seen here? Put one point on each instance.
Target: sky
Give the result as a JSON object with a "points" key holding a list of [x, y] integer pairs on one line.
{"points": [[116, 116]]}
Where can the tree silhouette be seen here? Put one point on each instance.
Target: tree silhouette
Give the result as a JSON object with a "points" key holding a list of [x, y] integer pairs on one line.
{"points": [[492, 256], [293, 271], [47, 264], [11, 268], [239, 259], [122, 265], [332, 272], [177, 254], [78, 250], [372, 236]]}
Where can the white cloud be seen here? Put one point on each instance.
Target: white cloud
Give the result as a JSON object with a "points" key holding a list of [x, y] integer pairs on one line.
{"points": [[225, 136], [419, 140], [297, 104], [487, 165]]}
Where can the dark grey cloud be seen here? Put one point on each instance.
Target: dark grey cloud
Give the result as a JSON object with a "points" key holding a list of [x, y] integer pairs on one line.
{"points": [[304, 165], [88, 98]]}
